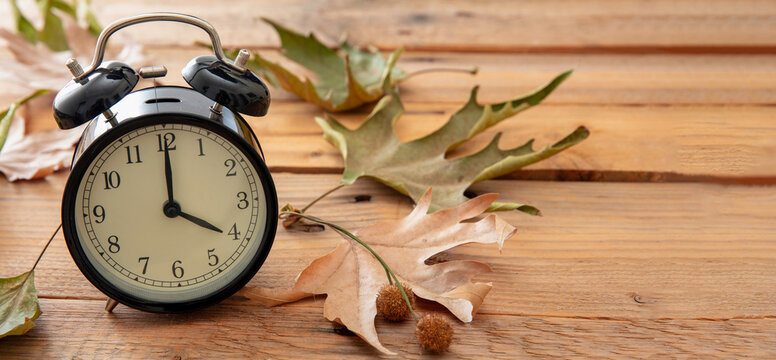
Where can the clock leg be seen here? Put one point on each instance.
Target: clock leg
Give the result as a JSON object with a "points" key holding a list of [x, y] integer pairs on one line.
{"points": [[110, 305]]}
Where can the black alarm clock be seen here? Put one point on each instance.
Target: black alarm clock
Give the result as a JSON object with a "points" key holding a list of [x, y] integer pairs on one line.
{"points": [[169, 205]]}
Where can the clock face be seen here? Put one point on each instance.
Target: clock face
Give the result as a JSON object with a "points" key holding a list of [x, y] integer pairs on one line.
{"points": [[172, 213]]}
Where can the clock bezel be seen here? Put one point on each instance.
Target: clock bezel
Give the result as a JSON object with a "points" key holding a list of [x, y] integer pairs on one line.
{"points": [[85, 161]]}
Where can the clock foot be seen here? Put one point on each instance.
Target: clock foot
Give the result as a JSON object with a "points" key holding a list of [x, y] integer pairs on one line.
{"points": [[110, 305]]}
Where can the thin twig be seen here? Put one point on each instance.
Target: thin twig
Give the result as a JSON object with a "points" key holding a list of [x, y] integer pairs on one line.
{"points": [[43, 251], [340, 186], [342, 230], [472, 71]]}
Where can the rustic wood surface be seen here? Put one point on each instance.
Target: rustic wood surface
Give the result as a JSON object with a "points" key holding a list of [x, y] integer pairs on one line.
{"points": [[658, 238]]}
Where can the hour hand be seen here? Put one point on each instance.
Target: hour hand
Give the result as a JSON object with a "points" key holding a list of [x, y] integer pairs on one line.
{"points": [[199, 221]]}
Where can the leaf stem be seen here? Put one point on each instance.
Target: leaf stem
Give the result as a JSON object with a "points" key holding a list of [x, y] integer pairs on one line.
{"points": [[340, 186], [43, 251], [472, 71], [342, 230]]}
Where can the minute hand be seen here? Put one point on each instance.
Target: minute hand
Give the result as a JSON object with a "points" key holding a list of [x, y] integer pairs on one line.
{"points": [[199, 221], [168, 174]]}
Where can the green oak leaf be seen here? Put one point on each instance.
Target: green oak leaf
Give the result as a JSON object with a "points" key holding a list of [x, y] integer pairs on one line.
{"points": [[374, 150], [23, 26], [18, 304], [84, 11], [347, 78], [53, 32]]}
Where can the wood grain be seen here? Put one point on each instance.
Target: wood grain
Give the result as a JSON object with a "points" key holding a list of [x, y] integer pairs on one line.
{"points": [[239, 331], [654, 251], [612, 79], [628, 143], [632, 140], [673, 91], [635, 26]]}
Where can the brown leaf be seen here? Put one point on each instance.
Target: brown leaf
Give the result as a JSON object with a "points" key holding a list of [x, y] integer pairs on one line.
{"points": [[352, 277], [37, 154], [34, 67]]}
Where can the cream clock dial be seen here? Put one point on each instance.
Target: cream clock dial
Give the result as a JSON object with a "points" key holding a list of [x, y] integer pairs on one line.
{"points": [[171, 213]]}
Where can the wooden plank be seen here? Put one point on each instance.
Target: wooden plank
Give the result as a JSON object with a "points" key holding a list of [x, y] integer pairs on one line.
{"points": [[628, 143], [621, 250], [635, 26], [636, 140], [81, 329], [614, 79]]}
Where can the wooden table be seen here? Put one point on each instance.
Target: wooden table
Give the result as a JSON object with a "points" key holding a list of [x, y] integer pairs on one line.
{"points": [[659, 231]]}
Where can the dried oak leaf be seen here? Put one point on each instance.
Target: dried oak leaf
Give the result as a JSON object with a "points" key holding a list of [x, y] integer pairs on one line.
{"points": [[35, 155], [38, 67], [346, 79], [351, 277], [18, 304], [34, 67], [375, 151]]}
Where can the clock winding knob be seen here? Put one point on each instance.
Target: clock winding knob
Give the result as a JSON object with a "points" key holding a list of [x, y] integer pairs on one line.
{"points": [[74, 67]]}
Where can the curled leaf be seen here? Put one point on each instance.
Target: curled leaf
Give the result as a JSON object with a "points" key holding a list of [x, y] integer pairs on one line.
{"points": [[35, 155], [18, 304], [352, 277], [30, 156], [374, 150]]}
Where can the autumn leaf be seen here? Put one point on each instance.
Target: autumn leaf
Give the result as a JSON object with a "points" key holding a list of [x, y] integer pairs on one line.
{"points": [[347, 78], [374, 150], [18, 304], [351, 277], [37, 68], [38, 154], [52, 33]]}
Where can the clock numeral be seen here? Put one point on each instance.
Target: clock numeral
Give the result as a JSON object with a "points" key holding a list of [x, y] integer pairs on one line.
{"points": [[201, 152], [243, 200], [230, 163], [114, 247], [112, 179], [169, 140], [212, 257], [99, 212], [233, 231], [129, 154], [177, 271], [145, 265]]}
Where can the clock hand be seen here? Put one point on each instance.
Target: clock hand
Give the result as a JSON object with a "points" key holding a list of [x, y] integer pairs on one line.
{"points": [[199, 221], [168, 173]]}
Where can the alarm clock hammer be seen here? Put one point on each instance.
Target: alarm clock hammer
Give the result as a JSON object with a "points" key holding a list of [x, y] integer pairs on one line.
{"points": [[169, 205]]}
